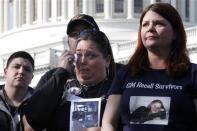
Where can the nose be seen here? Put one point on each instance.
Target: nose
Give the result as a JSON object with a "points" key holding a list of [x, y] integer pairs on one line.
{"points": [[21, 70], [83, 59], [151, 27]]}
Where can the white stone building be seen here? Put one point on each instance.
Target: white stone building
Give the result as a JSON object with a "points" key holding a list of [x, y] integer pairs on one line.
{"points": [[39, 27]]}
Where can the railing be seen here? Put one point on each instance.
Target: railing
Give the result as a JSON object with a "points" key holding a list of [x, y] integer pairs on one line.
{"points": [[126, 45], [43, 60], [192, 31]]}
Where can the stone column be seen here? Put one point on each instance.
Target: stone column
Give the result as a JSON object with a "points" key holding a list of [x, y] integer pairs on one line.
{"points": [[29, 12], [85, 7], [107, 9], [182, 9], [192, 11], [64, 10], [71, 8], [15, 13], [1, 16], [91, 7], [5, 15], [45, 11], [21, 12], [39, 11], [130, 9], [53, 10], [174, 4]]}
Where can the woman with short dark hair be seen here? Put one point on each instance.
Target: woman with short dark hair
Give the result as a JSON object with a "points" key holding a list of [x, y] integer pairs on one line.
{"points": [[51, 106]]}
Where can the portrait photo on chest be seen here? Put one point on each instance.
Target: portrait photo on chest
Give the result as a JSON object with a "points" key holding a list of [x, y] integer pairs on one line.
{"points": [[149, 110]]}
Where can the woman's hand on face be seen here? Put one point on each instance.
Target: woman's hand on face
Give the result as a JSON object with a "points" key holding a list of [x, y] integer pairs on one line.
{"points": [[66, 60]]}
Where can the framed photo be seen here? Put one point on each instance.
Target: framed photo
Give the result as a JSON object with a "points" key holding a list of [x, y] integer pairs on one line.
{"points": [[85, 113]]}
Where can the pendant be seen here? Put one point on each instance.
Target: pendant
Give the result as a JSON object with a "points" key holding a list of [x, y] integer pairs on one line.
{"points": [[74, 90]]}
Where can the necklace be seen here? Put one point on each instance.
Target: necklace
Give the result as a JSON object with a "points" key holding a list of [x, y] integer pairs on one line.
{"points": [[93, 91], [75, 88]]}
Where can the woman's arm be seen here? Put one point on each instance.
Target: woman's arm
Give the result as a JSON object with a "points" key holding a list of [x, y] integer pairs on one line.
{"points": [[26, 125], [195, 102], [92, 129], [110, 117]]}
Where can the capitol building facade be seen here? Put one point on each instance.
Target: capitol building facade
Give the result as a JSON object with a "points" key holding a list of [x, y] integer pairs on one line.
{"points": [[39, 27]]}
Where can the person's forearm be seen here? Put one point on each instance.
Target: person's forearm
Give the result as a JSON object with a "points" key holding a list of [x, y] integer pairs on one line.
{"points": [[26, 125], [110, 117], [107, 127], [195, 102], [92, 129]]}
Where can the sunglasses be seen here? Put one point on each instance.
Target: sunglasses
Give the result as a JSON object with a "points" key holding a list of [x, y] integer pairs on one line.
{"points": [[81, 32]]}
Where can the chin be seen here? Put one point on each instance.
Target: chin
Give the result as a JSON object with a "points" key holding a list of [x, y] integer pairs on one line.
{"points": [[85, 81], [20, 86], [84, 77]]}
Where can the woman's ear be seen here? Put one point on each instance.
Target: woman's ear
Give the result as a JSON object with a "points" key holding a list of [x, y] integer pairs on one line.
{"points": [[32, 76], [5, 72], [174, 36], [108, 60]]}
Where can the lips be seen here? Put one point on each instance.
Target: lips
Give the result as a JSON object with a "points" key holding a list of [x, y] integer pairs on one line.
{"points": [[84, 70], [151, 37], [84, 73], [19, 78]]}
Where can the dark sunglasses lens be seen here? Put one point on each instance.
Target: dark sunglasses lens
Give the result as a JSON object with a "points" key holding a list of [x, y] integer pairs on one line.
{"points": [[74, 34]]}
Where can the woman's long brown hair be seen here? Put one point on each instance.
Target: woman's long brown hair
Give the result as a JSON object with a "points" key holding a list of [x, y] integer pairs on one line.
{"points": [[178, 60]]}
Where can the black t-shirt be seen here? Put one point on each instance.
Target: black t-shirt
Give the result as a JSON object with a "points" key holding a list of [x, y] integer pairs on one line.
{"points": [[176, 95], [47, 108], [61, 120], [4, 122]]}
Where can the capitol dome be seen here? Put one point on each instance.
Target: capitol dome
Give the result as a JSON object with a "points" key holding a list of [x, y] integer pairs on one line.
{"points": [[39, 27]]}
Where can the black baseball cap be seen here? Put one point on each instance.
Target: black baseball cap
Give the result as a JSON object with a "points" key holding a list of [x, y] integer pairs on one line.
{"points": [[21, 54], [83, 18]]}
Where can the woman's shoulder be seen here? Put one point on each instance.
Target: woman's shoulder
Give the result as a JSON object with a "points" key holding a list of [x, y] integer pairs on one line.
{"points": [[193, 66], [122, 70], [55, 71], [122, 73], [106, 86], [50, 72]]}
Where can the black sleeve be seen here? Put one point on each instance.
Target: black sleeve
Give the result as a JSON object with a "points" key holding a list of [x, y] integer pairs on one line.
{"points": [[41, 106]]}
